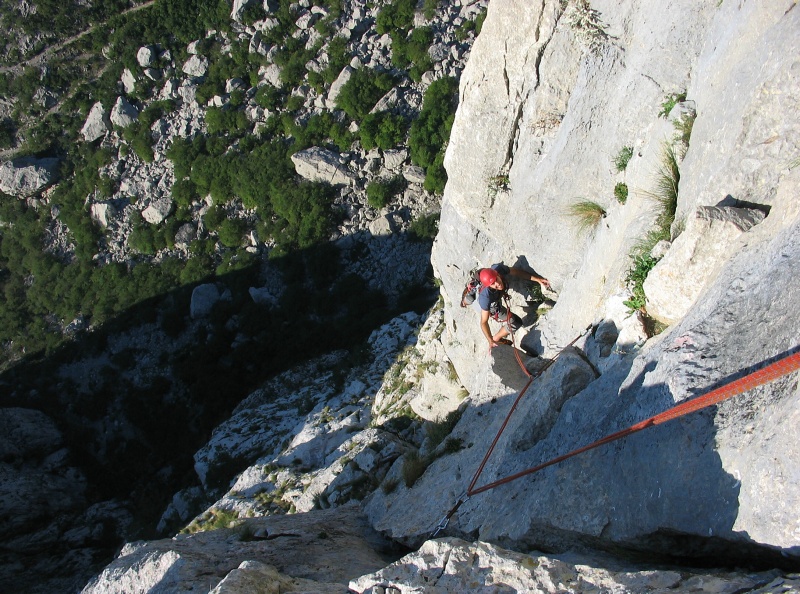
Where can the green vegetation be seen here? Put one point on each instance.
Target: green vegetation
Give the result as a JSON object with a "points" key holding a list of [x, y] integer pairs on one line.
{"points": [[623, 157], [621, 192], [683, 128], [414, 466], [665, 195], [642, 265], [431, 131], [587, 214], [363, 91], [383, 130], [669, 102], [498, 183], [212, 520], [380, 192], [424, 228]]}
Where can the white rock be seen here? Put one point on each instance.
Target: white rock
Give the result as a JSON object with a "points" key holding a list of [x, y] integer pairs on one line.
{"points": [[695, 259], [319, 164], [145, 56], [204, 297], [128, 81], [102, 212], [27, 176], [97, 123], [336, 87], [393, 159], [158, 210], [196, 66], [123, 114]]}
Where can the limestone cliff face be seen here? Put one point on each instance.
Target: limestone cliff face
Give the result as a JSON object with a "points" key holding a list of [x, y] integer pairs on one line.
{"points": [[549, 97]]}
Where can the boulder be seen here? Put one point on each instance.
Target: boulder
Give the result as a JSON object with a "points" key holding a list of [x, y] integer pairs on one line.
{"points": [[204, 297], [145, 56], [97, 123], [102, 213], [393, 159], [158, 210], [454, 566], [326, 548], [26, 433], [693, 261], [196, 66], [321, 165], [238, 8], [186, 234], [123, 114], [336, 87], [128, 81], [27, 176], [414, 174]]}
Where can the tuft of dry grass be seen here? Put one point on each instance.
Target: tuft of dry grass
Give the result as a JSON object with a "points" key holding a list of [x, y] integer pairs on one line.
{"points": [[587, 214]]}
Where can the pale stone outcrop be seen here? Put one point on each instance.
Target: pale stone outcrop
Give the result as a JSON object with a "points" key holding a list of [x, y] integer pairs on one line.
{"points": [[336, 87], [102, 213], [145, 56], [319, 164], [454, 566], [27, 176], [128, 81], [308, 561], [123, 114], [204, 297], [709, 240], [158, 210], [97, 123], [196, 66]]}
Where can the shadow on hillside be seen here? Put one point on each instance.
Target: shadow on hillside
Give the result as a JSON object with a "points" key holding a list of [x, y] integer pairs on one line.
{"points": [[660, 496], [136, 397]]}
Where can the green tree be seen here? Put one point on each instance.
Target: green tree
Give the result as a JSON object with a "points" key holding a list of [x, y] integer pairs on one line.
{"points": [[431, 131], [362, 92]]}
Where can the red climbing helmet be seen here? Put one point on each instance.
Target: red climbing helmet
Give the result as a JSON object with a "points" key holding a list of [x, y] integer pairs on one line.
{"points": [[488, 276]]}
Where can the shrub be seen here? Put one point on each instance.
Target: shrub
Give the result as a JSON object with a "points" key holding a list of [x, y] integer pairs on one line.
{"points": [[665, 194], [669, 102], [399, 15], [362, 92], [642, 265], [379, 192], [587, 213], [413, 48], [7, 133], [623, 157], [429, 8], [424, 228], [269, 97], [621, 192], [383, 130], [231, 231], [431, 131], [414, 466]]}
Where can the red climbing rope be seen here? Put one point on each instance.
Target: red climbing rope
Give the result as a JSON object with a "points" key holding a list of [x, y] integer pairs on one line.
{"points": [[769, 373], [513, 408], [783, 366]]}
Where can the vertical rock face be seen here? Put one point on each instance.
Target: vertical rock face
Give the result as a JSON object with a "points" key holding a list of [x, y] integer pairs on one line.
{"points": [[548, 99]]}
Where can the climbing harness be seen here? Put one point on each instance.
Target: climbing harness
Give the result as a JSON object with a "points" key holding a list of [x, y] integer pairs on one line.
{"points": [[778, 368]]}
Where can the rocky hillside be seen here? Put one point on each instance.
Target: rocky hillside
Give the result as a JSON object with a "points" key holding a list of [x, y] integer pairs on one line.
{"points": [[644, 158]]}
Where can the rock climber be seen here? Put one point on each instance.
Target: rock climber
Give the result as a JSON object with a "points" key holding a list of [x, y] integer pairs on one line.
{"points": [[494, 285]]}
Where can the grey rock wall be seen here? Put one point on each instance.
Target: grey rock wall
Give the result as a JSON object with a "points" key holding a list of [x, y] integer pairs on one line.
{"points": [[721, 473]]}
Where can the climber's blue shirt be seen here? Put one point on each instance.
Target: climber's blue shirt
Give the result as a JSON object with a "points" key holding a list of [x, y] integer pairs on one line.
{"points": [[488, 296]]}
